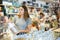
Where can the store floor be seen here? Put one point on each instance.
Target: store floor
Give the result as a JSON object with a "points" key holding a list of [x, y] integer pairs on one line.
{"points": [[58, 38]]}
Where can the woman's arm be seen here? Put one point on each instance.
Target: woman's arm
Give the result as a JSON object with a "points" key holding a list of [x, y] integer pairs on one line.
{"points": [[26, 30]]}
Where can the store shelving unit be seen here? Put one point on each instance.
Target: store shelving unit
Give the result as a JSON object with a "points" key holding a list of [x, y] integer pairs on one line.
{"points": [[10, 9], [55, 4]]}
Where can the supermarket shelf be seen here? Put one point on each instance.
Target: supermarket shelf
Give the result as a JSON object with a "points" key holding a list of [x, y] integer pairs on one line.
{"points": [[11, 13]]}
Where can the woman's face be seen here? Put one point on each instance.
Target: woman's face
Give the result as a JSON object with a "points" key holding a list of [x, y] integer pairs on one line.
{"points": [[1, 14], [21, 10]]}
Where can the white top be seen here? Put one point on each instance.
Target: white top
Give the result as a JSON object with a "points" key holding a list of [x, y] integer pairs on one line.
{"points": [[12, 27]]}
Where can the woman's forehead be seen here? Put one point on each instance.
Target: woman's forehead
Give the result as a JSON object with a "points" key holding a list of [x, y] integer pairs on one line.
{"points": [[21, 8]]}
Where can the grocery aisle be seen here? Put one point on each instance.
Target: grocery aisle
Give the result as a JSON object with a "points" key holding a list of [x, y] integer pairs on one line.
{"points": [[29, 20]]}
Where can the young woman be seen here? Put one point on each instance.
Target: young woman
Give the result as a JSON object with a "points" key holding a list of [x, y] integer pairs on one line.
{"points": [[22, 19], [33, 13], [33, 27], [21, 22], [33, 30], [3, 22], [41, 17], [42, 21]]}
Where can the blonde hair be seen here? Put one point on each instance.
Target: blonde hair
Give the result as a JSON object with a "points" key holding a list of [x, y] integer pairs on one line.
{"points": [[35, 23]]}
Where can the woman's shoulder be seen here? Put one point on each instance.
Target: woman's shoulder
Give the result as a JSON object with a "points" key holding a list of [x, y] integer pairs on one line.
{"points": [[29, 20]]}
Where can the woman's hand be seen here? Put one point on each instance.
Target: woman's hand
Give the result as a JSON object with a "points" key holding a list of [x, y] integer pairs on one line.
{"points": [[21, 31]]}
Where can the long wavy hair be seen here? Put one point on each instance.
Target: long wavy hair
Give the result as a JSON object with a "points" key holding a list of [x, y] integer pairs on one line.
{"points": [[26, 14]]}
